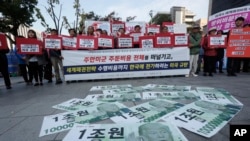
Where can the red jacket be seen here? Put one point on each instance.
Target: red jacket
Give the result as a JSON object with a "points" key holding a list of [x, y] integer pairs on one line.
{"points": [[208, 51]]}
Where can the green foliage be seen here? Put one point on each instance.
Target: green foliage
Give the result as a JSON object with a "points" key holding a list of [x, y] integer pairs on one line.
{"points": [[159, 18], [16, 13]]}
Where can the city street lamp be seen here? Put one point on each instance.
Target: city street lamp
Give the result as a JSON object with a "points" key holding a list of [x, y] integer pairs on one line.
{"points": [[151, 15]]}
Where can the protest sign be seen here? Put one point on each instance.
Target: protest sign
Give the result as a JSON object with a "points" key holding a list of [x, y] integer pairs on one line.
{"points": [[126, 132], [64, 121], [146, 41], [217, 41], [180, 28], [53, 42], [115, 26], [87, 42], [167, 87], [170, 26], [104, 25], [125, 63], [75, 104], [131, 25], [239, 43], [106, 41], [69, 42], [29, 46], [164, 40], [203, 117], [124, 42], [153, 28], [218, 96], [3, 41], [136, 36], [180, 40], [147, 112]]}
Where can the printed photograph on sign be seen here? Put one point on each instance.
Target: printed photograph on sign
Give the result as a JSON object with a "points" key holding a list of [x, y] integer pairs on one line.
{"points": [[64, 121], [69, 42], [126, 132], [52, 43], [148, 111], [202, 117]]}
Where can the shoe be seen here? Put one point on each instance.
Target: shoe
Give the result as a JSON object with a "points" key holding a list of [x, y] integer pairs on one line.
{"points": [[187, 75], [210, 74], [36, 84], [194, 75], [8, 87], [59, 82], [50, 81], [229, 74], [221, 72], [233, 74], [205, 74], [41, 84]]}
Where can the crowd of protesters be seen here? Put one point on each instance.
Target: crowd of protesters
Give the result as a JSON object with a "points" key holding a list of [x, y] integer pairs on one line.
{"points": [[39, 67]]}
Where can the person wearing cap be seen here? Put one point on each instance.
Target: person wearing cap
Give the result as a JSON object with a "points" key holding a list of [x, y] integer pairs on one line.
{"points": [[233, 63], [194, 46], [209, 54]]}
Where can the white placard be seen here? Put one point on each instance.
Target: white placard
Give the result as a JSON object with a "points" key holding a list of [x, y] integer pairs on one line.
{"points": [[69, 42], [147, 43], [163, 40], [217, 41], [52, 43], [105, 42], [87, 43], [29, 48], [125, 42], [181, 40]]}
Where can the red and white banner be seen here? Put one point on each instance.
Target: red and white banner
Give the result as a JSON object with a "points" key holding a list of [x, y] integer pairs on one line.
{"points": [[53, 42], [87, 42], [29, 46], [3, 41], [136, 36]]}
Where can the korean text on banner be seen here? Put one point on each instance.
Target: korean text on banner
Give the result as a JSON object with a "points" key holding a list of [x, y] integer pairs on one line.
{"points": [[239, 43], [29, 46], [53, 42]]}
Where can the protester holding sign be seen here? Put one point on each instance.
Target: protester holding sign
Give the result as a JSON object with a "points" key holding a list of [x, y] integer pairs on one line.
{"points": [[194, 45], [72, 32], [34, 68], [56, 60], [4, 67], [220, 55], [90, 31], [232, 63], [209, 54]]}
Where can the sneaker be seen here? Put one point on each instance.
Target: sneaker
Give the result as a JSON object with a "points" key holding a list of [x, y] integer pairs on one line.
{"points": [[36, 84], [194, 75], [59, 82], [8, 87], [41, 83], [50, 81], [187, 75]]}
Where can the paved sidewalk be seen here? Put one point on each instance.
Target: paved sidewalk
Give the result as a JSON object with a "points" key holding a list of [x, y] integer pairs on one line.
{"points": [[23, 107]]}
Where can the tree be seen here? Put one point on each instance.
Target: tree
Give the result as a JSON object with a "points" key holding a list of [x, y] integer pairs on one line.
{"points": [[56, 16], [159, 18], [130, 18], [16, 13]]}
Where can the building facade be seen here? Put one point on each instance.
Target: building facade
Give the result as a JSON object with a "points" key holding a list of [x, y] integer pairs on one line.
{"points": [[181, 15]]}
